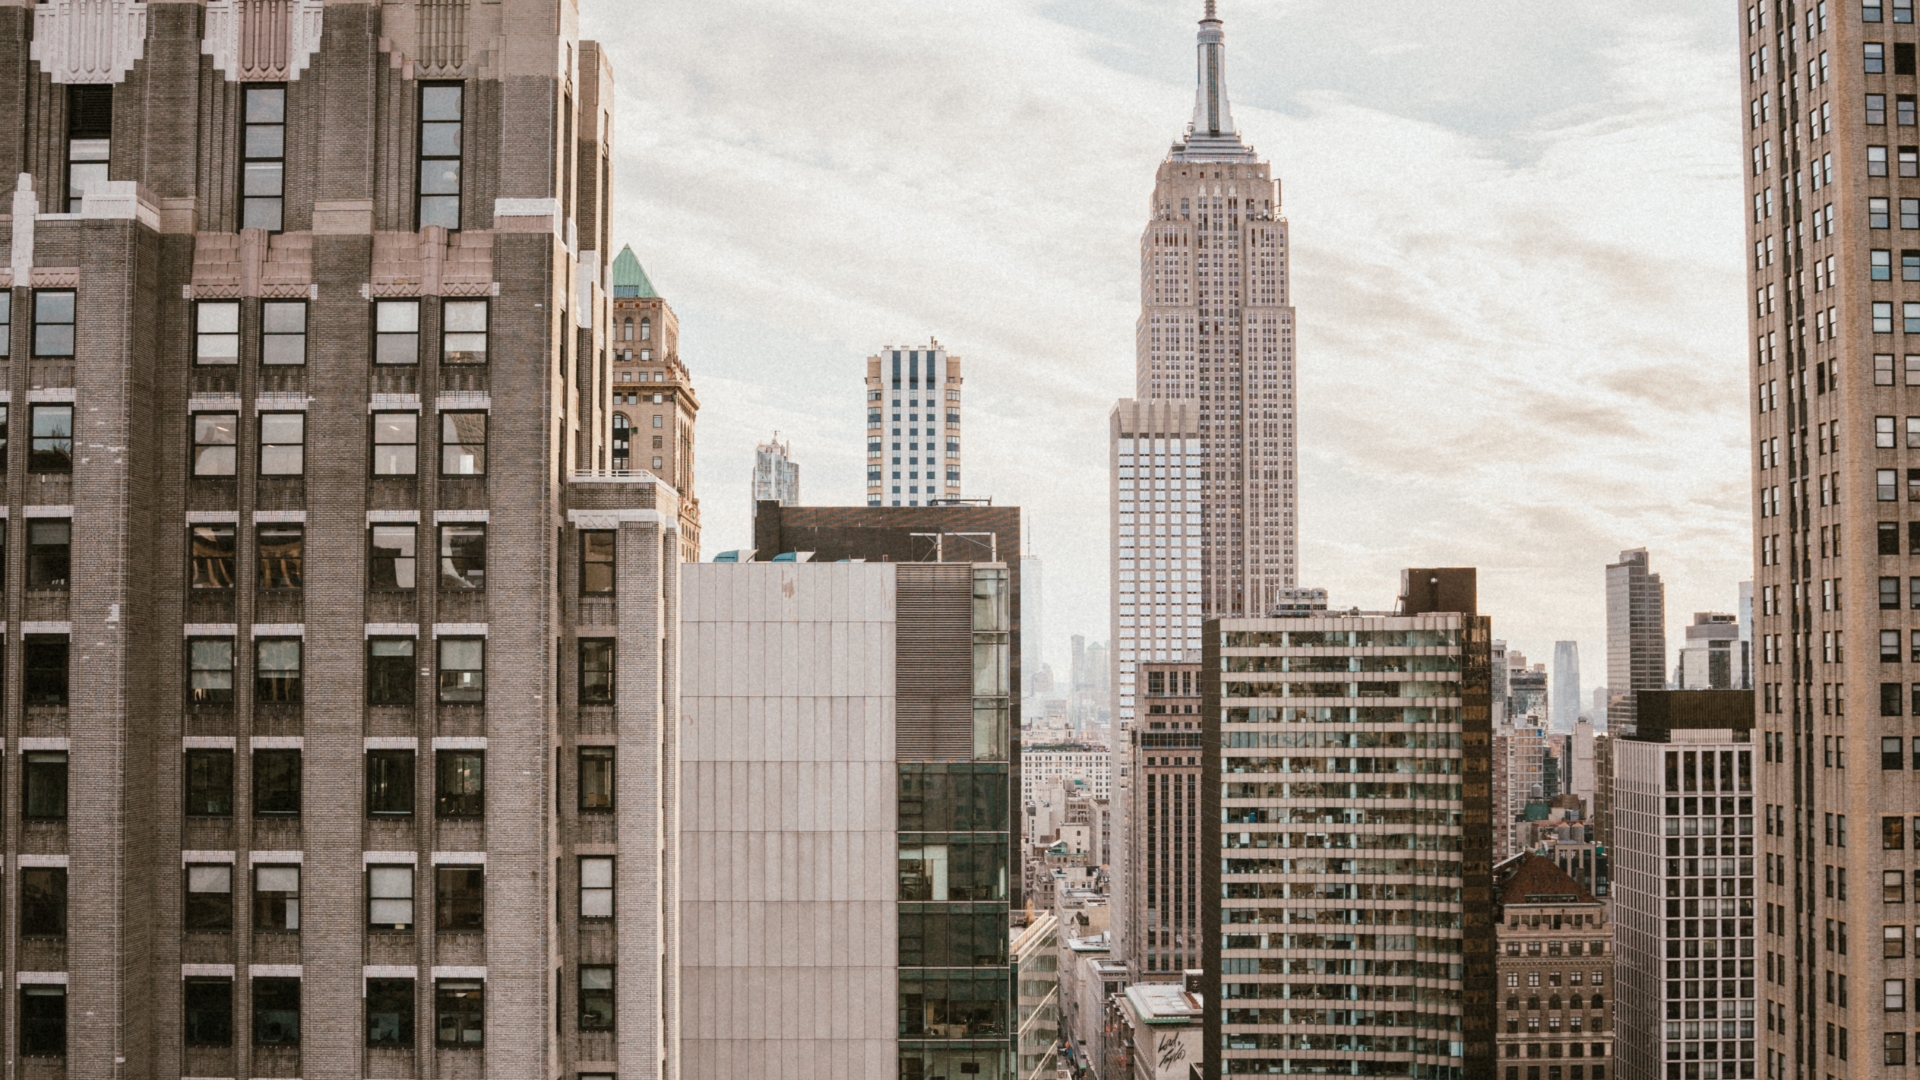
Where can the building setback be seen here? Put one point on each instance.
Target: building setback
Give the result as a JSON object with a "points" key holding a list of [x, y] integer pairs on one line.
{"points": [[302, 299], [1349, 911]]}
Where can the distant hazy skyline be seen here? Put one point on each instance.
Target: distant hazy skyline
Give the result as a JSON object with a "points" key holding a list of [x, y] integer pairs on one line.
{"points": [[1517, 259]]}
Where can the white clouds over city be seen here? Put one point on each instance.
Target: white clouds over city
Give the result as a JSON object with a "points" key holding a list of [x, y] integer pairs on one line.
{"points": [[1517, 243]]}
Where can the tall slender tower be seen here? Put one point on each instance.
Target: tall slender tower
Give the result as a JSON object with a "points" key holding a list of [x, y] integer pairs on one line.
{"points": [[1828, 99], [1215, 326], [1636, 635], [1566, 685]]}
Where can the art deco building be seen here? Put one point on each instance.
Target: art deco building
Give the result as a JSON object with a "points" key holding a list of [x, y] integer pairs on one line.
{"points": [[918, 389], [654, 406], [776, 476], [1347, 898], [1216, 328], [1832, 203], [339, 671]]}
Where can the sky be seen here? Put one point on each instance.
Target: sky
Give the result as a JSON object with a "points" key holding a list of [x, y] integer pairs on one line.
{"points": [[1517, 266]]}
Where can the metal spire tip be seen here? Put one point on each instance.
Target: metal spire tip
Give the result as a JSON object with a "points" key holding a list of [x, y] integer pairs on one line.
{"points": [[1211, 13]]}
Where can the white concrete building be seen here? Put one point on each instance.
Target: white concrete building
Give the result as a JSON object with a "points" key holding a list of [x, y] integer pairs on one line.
{"points": [[913, 426], [1080, 769]]}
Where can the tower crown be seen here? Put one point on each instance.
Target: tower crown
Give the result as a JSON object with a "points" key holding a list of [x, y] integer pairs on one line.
{"points": [[1211, 135]]}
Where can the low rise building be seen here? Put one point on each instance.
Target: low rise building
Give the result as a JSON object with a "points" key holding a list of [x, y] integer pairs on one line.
{"points": [[1079, 768], [1556, 974]]}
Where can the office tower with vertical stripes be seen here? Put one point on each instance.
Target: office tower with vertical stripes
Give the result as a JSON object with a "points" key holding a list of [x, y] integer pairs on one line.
{"points": [[916, 390]]}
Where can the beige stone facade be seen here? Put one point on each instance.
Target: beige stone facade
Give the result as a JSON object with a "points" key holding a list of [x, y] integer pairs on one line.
{"points": [[654, 404], [1556, 975], [926, 378]]}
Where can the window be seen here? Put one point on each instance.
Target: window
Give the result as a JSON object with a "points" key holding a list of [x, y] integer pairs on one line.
{"points": [[390, 897], [276, 898], [391, 554], [462, 788], [596, 671], [43, 901], [276, 670], [43, 1021], [213, 556], [390, 672], [1876, 109], [1890, 592], [53, 323], [1889, 646], [264, 169], [209, 782], [216, 339], [596, 779], [460, 897], [1874, 57], [646, 329], [1876, 161], [396, 338], [1893, 942], [1895, 990], [89, 140], [390, 1012], [1882, 317], [463, 556], [209, 1011], [596, 997], [1893, 887], [1893, 835], [1877, 213], [459, 1007], [215, 443], [596, 562], [1903, 11], [6, 322], [49, 552], [276, 783], [596, 888], [1886, 485], [622, 435], [440, 116], [52, 448], [463, 678], [396, 444], [283, 444], [283, 333], [1891, 756], [389, 783], [209, 907], [210, 671], [46, 669], [276, 1012], [44, 783], [1894, 1045], [463, 444], [1880, 265], [463, 332], [1910, 161], [282, 556]]}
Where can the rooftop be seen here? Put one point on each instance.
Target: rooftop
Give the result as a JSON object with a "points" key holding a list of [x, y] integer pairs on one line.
{"points": [[1531, 879], [1164, 1003], [629, 280]]}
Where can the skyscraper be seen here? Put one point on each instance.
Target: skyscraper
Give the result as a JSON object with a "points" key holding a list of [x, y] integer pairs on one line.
{"points": [[1567, 706], [361, 658], [1636, 636], [1216, 329], [776, 476], [921, 385], [654, 406], [1362, 906], [1835, 325]]}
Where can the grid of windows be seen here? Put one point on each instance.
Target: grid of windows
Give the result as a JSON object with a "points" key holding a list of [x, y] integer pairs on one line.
{"points": [[441, 113], [264, 164]]}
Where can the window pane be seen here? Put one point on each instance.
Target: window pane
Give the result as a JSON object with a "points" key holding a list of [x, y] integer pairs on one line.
{"points": [[276, 782], [389, 783], [462, 670], [460, 892], [46, 670], [390, 1012], [596, 562], [210, 671], [209, 783], [460, 1010], [276, 898], [441, 210], [462, 783], [215, 436], [45, 779], [463, 438], [463, 556], [596, 778], [282, 551], [43, 1021], [209, 1012], [397, 316], [596, 671], [218, 338], [440, 103], [213, 556], [396, 444], [440, 140], [282, 444], [209, 907], [276, 669], [393, 557], [464, 335], [52, 446], [266, 105], [390, 678], [48, 552], [390, 897], [43, 901], [284, 333], [276, 1012]]}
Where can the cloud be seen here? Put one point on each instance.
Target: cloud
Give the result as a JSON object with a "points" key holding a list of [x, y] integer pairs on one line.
{"points": [[1516, 257]]}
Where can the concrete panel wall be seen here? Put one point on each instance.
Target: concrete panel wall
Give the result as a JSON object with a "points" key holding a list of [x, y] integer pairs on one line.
{"points": [[788, 810]]}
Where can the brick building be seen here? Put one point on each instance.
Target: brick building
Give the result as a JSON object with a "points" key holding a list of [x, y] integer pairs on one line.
{"points": [[291, 278], [1556, 974], [1163, 772], [654, 406]]}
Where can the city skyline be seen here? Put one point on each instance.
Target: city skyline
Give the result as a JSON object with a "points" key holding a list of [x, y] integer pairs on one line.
{"points": [[762, 304]]}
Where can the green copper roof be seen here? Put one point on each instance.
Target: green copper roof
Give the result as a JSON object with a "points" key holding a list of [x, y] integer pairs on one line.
{"points": [[629, 280]]}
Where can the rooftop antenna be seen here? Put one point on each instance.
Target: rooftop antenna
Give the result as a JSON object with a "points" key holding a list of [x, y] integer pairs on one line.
{"points": [[1211, 13]]}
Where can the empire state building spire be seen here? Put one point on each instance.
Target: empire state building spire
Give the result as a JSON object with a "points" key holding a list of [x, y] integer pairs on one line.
{"points": [[1211, 135]]}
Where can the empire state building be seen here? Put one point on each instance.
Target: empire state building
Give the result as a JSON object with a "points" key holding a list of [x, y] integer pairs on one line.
{"points": [[1216, 329]]}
